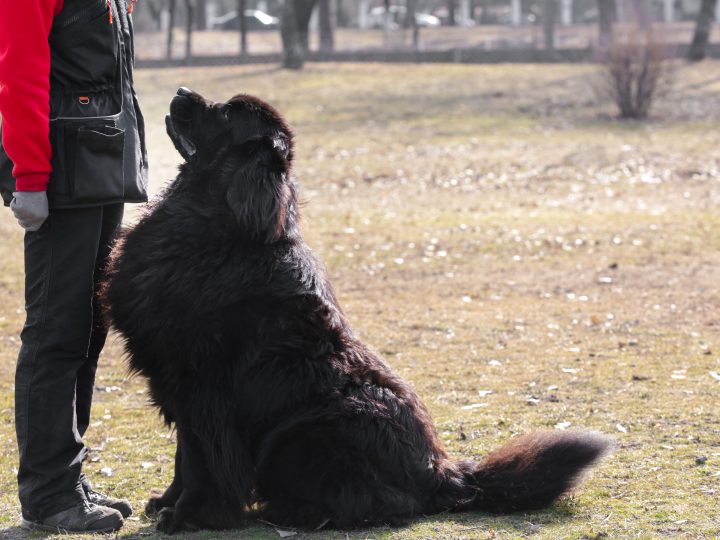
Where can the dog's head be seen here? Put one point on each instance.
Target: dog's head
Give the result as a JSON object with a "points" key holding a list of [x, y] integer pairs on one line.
{"points": [[239, 154]]}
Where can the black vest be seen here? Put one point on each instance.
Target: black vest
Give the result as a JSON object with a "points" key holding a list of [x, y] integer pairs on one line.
{"points": [[97, 131]]}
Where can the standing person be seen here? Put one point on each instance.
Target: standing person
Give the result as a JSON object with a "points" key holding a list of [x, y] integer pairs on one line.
{"points": [[72, 153]]}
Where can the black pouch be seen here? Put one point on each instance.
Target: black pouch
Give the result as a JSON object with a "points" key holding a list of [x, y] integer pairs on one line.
{"points": [[98, 175], [87, 164]]}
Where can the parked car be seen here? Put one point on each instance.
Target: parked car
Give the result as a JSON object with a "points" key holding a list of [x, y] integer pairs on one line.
{"points": [[254, 20], [376, 17]]}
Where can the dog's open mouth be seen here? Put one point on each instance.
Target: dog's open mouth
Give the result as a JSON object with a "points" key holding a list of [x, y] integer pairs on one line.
{"points": [[182, 143], [179, 120]]}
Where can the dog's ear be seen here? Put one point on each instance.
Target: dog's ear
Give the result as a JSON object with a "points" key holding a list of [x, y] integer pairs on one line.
{"points": [[254, 175]]}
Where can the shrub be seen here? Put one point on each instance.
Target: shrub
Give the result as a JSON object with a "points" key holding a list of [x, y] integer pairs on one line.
{"points": [[635, 69]]}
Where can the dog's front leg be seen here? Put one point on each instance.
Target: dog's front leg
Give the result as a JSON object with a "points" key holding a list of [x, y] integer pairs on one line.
{"points": [[167, 499], [200, 505]]}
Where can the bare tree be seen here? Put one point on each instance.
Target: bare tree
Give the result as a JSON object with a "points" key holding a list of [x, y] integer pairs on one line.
{"points": [[387, 22], [327, 24], [607, 11], [156, 9], [452, 18], [642, 15], [303, 12], [171, 24], [548, 17], [411, 22], [293, 51], [243, 27], [636, 70], [698, 47], [201, 15], [190, 16], [410, 10]]}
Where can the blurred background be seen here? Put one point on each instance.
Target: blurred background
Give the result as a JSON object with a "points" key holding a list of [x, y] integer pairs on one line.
{"points": [[212, 31]]}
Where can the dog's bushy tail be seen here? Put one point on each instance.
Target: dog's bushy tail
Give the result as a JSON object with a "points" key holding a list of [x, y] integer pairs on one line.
{"points": [[532, 471]]}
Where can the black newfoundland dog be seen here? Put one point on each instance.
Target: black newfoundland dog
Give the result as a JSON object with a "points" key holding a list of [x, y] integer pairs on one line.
{"points": [[279, 408]]}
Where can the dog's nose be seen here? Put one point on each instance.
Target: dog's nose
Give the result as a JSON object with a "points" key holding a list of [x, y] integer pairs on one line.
{"points": [[184, 91]]}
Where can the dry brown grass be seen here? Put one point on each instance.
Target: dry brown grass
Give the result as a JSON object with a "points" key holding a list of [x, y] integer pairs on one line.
{"points": [[487, 229]]}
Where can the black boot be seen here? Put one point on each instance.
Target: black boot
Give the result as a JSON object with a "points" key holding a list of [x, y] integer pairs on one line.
{"points": [[83, 517], [121, 505]]}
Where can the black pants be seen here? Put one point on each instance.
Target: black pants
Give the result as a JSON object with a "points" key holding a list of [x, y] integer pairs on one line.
{"points": [[61, 341]]}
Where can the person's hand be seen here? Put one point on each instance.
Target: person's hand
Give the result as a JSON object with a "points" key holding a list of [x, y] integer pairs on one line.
{"points": [[30, 209]]}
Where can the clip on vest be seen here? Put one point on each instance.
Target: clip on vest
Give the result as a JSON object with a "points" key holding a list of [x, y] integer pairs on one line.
{"points": [[84, 100]]}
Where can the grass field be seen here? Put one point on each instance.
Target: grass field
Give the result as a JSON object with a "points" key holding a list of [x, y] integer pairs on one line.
{"points": [[522, 257]]}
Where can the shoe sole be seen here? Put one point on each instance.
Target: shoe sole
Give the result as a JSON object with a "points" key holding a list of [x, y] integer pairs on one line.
{"points": [[33, 526]]}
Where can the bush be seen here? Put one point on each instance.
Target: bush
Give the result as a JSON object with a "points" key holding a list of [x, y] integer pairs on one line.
{"points": [[636, 68]]}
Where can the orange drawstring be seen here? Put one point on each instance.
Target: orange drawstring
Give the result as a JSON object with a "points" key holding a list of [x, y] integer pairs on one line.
{"points": [[132, 6], [110, 16]]}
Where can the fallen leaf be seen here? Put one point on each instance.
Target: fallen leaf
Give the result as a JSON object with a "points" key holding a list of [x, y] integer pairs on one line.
{"points": [[473, 406], [715, 375], [621, 428], [285, 534], [562, 425]]}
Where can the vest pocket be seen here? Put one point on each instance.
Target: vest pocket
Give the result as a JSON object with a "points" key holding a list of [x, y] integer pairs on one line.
{"points": [[98, 171]]}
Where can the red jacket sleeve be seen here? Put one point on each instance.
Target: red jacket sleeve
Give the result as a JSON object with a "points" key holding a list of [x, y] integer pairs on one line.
{"points": [[25, 88]]}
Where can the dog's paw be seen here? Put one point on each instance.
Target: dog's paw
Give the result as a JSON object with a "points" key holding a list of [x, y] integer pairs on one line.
{"points": [[155, 503], [171, 522]]}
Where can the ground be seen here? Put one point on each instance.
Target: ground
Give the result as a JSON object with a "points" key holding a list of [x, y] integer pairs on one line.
{"points": [[526, 260]]}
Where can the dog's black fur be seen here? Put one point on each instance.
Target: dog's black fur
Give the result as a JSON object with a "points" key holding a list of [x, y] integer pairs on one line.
{"points": [[277, 404]]}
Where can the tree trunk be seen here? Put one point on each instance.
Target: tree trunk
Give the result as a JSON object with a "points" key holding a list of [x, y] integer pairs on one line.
{"points": [[171, 24], [607, 11], [548, 17], [303, 12], [326, 16], [698, 47], [243, 27], [156, 13], [190, 6], [640, 12], [452, 19], [411, 22], [201, 15], [293, 52], [411, 9]]}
